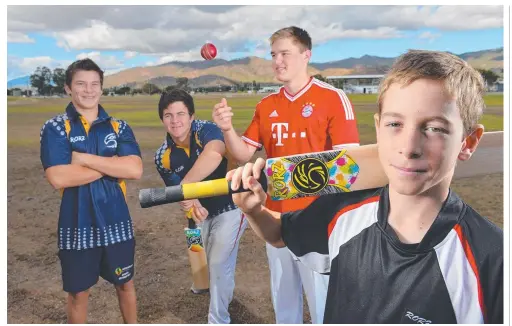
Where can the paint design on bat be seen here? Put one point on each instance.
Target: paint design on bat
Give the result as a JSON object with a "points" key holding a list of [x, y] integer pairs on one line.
{"points": [[194, 240], [304, 175]]}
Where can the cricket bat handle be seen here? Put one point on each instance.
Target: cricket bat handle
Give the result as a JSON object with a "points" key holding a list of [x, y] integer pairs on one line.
{"points": [[158, 196]]}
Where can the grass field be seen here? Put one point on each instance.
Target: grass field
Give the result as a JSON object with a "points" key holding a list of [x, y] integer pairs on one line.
{"points": [[141, 112]]}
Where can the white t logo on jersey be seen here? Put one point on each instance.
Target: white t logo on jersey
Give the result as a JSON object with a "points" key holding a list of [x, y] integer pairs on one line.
{"points": [[280, 135]]}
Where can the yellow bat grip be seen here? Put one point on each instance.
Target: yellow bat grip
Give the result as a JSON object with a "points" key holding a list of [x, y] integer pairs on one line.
{"points": [[205, 189]]}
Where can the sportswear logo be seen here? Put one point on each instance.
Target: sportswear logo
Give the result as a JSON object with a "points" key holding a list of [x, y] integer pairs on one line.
{"points": [[179, 169], [417, 319], [273, 114], [283, 134], [110, 140], [76, 138], [118, 271]]}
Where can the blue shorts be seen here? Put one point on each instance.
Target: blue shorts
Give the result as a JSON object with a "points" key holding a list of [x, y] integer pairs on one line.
{"points": [[81, 268]]}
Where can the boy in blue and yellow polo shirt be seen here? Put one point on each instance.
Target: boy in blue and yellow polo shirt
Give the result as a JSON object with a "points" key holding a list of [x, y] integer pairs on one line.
{"points": [[193, 151], [87, 154]]}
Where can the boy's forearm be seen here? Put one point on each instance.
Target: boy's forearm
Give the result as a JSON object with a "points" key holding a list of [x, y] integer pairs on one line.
{"points": [[71, 175], [238, 149], [206, 163], [124, 167], [267, 225]]}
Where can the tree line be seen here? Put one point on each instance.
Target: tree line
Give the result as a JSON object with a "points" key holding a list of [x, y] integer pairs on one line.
{"points": [[48, 82]]}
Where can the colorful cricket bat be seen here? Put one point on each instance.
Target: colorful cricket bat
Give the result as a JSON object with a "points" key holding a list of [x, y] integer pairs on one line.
{"points": [[321, 173], [197, 257], [294, 176]]}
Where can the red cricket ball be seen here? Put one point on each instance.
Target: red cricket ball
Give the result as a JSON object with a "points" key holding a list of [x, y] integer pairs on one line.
{"points": [[208, 51]]}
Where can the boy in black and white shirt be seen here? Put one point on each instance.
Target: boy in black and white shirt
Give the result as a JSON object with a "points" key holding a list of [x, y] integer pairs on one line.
{"points": [[412, 251]]}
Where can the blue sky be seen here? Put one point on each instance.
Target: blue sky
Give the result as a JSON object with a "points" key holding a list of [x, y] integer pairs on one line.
{"points": [[122, 37]]}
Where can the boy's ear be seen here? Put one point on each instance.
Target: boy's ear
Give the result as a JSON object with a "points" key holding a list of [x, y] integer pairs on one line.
{"points": [[471, 142], [67, 89], [307, 54]]}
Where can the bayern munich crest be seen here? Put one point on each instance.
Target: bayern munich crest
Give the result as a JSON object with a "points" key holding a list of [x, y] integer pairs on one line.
{"points": [[307, 109]]}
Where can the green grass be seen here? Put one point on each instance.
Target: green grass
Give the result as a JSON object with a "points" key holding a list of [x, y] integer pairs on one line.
{"points": [[141, 112], [493, 99], [492, 122], [362, 98], [25, 109], [489, 99], [149, 118]]}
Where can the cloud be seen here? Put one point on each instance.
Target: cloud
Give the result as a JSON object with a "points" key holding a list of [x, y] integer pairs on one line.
{"points": [[104, 61], [17, 66], [130, 54], [181, 30], [17, 37], [180, 56], [429, 36]]}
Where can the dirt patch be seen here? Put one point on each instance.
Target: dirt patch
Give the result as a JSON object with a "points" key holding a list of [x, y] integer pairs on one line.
{"points": [[162, 276], [162, 273]]}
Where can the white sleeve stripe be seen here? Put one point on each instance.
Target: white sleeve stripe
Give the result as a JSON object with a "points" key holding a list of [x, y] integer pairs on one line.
{"points": [[340, 146], [348, 105], [252, 142], [349, 111]]}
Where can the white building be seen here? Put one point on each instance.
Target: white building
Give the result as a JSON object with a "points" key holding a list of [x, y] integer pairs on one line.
{"points": [[269, 89], [363, 84]]}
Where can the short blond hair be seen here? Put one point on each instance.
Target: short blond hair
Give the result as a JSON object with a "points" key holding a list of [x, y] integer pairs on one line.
{"points": [[297, 34], [462, 81]]}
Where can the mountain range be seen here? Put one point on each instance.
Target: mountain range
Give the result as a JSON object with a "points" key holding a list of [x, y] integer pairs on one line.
{"points": [[246, 70]]}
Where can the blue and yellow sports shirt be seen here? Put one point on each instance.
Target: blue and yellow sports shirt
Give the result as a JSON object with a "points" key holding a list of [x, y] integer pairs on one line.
{"points": [[173, 163], [95, 214]]}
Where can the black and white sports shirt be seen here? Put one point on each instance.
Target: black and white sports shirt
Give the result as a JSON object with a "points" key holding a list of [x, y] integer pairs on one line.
{"points": [[454, 275]]}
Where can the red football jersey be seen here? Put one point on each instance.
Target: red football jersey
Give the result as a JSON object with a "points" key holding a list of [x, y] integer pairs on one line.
{"points": [[319, 117]]}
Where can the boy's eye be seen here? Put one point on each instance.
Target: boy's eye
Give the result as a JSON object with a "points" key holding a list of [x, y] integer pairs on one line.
{"points": [[393, 124], [436, 129]]}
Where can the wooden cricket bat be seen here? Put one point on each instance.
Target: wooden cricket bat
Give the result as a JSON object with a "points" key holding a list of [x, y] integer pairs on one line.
{"points": [[293, 176], [197, 257], [316, 174]]}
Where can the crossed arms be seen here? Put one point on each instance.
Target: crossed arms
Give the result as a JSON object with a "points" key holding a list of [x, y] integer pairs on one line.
{"points": [[86, 168]]}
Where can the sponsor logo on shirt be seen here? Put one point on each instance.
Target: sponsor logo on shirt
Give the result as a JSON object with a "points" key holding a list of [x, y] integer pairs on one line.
{"points": [[417, 319], [76, 138], [281, 132]]}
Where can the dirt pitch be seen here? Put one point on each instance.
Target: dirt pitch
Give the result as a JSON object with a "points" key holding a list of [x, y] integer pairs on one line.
{"points": [[162, 276]]}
